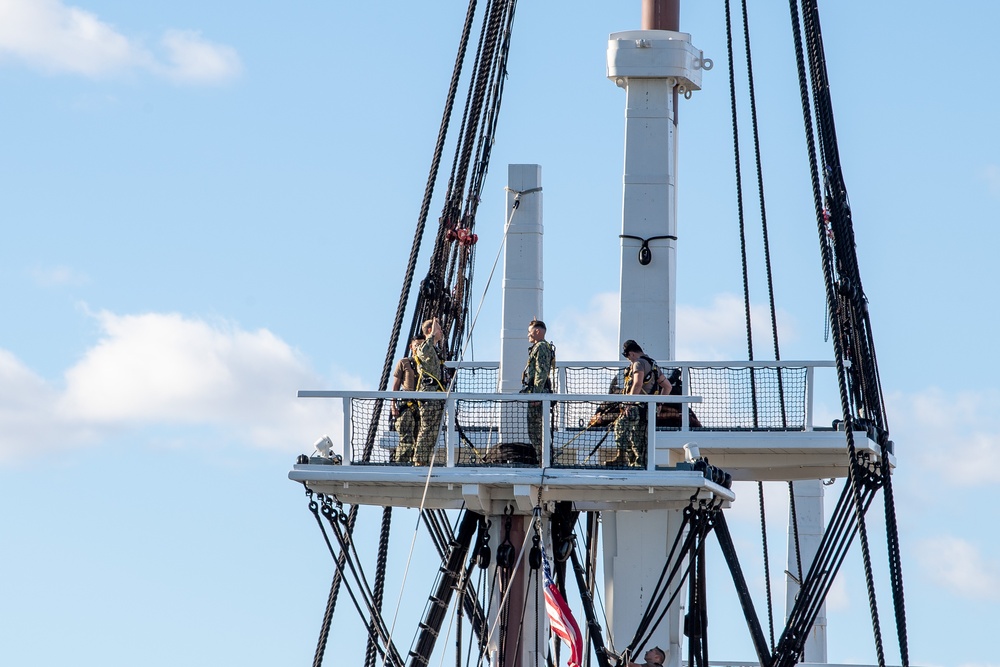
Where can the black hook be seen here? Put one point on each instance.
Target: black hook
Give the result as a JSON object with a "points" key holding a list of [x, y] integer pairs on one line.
{"points": [[645, 254]]}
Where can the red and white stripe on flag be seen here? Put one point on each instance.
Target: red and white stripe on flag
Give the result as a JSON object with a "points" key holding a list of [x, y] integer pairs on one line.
{"points": [[561, 619]]}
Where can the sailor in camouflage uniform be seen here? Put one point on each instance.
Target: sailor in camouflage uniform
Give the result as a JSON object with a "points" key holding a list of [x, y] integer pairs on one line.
{"points": [[404, 412], [536, 379], [630, 427], [430, 377]]}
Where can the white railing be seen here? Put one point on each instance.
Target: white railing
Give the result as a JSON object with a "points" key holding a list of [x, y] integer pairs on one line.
{"points": [[722, 396], [450, 439]]}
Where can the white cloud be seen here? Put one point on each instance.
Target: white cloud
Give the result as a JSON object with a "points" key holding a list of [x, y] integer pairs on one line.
{"points": [[26, 421], [837, 599], [960, 566], [937, 426], [707, 333], [991, 174], [56, 37], [719, 331], [195, 60], [57, 275], [155, 370], [590, 334]]}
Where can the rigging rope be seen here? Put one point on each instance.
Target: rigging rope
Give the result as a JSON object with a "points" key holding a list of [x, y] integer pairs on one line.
{"points": [[767, 263], [857, 370], [767, 566], [491, 62], [376, 627], [383, 549], [401, 308]]}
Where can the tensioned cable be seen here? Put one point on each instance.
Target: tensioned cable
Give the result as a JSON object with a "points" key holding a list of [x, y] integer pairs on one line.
{"points": [[404, 293], [451, 382], [375, 627], [496, 260], [743, 256], [595, 591], [506, 595]]}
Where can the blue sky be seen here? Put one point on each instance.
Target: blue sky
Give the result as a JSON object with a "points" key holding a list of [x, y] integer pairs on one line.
{"points": [[208, 206]]}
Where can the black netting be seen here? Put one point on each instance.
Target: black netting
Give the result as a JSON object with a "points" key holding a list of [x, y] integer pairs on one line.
{"points": [[596, 434], [594, 379], [749, 398], [479, 424], [475, 379], [583, 433], [409, 436]]}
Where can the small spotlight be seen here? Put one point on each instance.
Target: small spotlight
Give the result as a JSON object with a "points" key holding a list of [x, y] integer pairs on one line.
{"points": [[323, 446]]}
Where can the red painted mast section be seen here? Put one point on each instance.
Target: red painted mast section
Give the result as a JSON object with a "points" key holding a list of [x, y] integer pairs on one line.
{"points": [[661, 15]]}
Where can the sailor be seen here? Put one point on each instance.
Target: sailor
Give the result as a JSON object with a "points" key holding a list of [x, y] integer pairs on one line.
{"points": [[537, 379], [404, 413], [654, 658], [630, 427], [430, 377]]}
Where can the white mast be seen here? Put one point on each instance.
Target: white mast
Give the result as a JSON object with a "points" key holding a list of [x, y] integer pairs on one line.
{"points": [[654, 67], [522, 270]]}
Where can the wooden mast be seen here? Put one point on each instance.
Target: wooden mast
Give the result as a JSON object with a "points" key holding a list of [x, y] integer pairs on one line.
{"points": [[661, 15]]}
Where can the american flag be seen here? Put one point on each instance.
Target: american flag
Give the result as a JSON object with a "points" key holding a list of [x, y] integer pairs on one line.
{"points": [[561, 617]]}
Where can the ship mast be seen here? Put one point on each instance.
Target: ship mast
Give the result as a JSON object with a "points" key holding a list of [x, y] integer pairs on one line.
{"points": [[653, 65], [645, 508], [661, 15]]}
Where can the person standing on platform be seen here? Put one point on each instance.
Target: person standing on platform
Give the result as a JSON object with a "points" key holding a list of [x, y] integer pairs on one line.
{"points": [[430, 377], [630, 427], [537, 379], [404, 413]]}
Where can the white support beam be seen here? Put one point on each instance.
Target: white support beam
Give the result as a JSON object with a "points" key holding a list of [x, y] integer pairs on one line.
{"points": [[808, 495], [522, 270]]}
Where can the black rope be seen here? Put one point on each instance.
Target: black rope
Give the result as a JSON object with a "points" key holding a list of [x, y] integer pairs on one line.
{"points": [[845, 312], [739, 190], [335, 519], [699, 527], [664, 581], [795, 528], [426, 202], [699, 524], [895, 565], [446, 290], [331, 600], [383, 551], [767, 566], [401, 308], [376, 627]]}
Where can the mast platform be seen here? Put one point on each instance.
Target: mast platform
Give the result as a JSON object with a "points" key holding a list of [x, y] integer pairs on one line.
{"points": [[753, 420], [491, 490]]}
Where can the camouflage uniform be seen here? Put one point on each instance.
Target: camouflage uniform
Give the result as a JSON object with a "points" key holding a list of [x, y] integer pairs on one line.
{"points": [[630, 427], [430, 378], [537, 379], [408, 417]]}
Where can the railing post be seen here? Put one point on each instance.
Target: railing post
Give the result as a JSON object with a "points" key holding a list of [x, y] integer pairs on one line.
{"points": [[450, 413], [685, 391], [546, 433], [809, 398], [348, 436], [651, 436]]}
